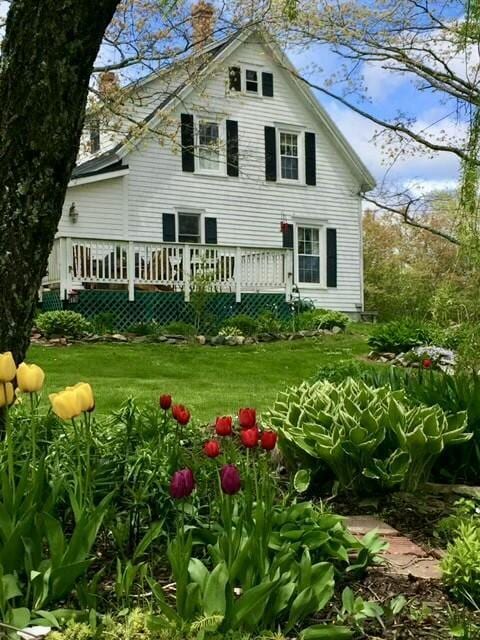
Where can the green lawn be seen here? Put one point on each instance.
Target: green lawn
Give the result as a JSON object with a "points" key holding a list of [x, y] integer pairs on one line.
{"points": [[210, 380]]}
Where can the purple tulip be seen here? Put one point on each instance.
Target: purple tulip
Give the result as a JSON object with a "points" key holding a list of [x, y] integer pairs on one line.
{"points": [[182, 484], [230, 479]]}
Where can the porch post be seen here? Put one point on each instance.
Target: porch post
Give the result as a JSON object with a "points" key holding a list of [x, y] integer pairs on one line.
{"points": [[69, 263], [131, 271], [186, 271], [238, 274], [288, 262], [63, 268]]}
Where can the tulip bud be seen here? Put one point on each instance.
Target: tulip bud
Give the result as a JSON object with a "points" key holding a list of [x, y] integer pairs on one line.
{"points": [[427, 363], [30, 378], [249, 437], [7, 394], [8, 368], [247, 418], [211, 449], [230, 479], [223, 426], [165, 401], [182, 484], [181, 414], [85, 395], [66, 404], [268, 440]]}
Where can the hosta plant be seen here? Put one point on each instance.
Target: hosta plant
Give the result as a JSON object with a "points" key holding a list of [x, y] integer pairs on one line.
{"points": [[368, 437]]}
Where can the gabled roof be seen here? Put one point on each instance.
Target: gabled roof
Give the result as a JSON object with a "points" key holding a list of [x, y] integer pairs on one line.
{"points": [[209, 57]]}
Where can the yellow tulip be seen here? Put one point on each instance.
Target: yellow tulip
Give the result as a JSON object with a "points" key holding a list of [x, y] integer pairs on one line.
{"points": [[29, 377], [8, 368], [66, 404], [85, 394], [7, 394]]}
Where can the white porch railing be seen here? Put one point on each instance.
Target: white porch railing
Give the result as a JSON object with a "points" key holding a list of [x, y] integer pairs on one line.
{"points": [[75, 262]]}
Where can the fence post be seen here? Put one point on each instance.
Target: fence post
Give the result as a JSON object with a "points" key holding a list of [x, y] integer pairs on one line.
{"points": [[238, 274], [131, 271], [288, 274], [186, 272]]}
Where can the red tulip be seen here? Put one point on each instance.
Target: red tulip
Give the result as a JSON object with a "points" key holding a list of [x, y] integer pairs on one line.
{"points": [[165, 401], [182, 484], [247, 418], [427, 363], [249, 437], [230, 479], [181, 414], [223, 426], [268, 440], [211, 449]]}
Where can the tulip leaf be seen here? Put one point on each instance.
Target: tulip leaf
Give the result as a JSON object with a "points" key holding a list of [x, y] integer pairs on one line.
{"points": [[301, 481], [214, 599]]}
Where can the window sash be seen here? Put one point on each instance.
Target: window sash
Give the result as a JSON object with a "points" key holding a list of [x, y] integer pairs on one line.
{"points": [[308, 248], [209, 145], [189, 228], [251, 81], [289, 156]]}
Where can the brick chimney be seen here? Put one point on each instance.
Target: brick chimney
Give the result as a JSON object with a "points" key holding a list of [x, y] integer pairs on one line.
{"points": [[203, 23]]}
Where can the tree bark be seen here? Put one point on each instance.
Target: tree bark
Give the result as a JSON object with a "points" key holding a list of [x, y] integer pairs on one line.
{"points": [[46, 61]]}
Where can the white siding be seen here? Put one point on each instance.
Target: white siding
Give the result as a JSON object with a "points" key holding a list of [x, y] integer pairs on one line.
{"points": [[248, 209], [101, 208]]}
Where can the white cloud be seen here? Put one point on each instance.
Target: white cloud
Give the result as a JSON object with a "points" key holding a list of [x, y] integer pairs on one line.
{"points": [[381, 84]]}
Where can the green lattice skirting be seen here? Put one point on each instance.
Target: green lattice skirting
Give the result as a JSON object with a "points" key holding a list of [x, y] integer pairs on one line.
{"points": [[165, 306]]}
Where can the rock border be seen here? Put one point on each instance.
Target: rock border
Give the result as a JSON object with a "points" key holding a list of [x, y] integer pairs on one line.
{"points": [[214, 341]]}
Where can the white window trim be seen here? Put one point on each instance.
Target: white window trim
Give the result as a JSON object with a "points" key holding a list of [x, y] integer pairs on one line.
{"points": [[222, 132], [190, 211], [323, 254], [301, 156]]}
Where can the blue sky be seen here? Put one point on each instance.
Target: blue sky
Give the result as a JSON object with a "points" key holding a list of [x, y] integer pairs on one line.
{"points": [[389, 93]]}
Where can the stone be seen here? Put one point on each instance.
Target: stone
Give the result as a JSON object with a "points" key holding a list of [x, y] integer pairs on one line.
{"points": [[171, 341], [400, 545], [93, 338], [360, 525], [241, 340], [295, 336], [217, 340], [412, 565], [231, 341], [161, 339], [176, 337], [118, 337], [265, 337], [336, 330], [389, 356], [201, 339], [249, 340], [140, 339]]}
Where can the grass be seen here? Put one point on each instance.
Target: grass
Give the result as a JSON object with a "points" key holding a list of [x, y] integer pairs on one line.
{"points": [[211, 381]]}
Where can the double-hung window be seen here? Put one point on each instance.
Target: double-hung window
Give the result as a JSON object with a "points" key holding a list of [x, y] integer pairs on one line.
{"points": [[209, 145], [308, 248], [189, 228], [289, 156], [251, 81]]}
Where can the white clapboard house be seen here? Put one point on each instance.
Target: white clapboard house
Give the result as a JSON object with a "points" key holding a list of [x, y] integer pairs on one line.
{"points": [[252, 182]]}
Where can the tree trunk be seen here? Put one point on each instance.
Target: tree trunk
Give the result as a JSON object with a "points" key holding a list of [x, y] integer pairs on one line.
{"points": [[45, 66]]}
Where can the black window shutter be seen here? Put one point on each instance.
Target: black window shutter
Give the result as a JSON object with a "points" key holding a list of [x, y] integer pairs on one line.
{"points": [[232, 148], [168, 222], [188, 143], [270, 154], [288, 236], [267, 84], [235, 79], [310, 159], [331, 257], [211, 230]]}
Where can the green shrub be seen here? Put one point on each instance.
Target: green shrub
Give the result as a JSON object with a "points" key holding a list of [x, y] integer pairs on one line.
{"points": [[339, 371], [179, 328], [466, 511], [244, 323], [368, 437], [63, 323], [152, 328], [228, 330], [103, 322], [399, 336], [460, 566], [267, 322], [322, 319]]}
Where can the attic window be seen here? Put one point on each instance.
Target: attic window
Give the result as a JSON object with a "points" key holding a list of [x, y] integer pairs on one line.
{"points": [[95, 136], [251, 81], [235, 79]]}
